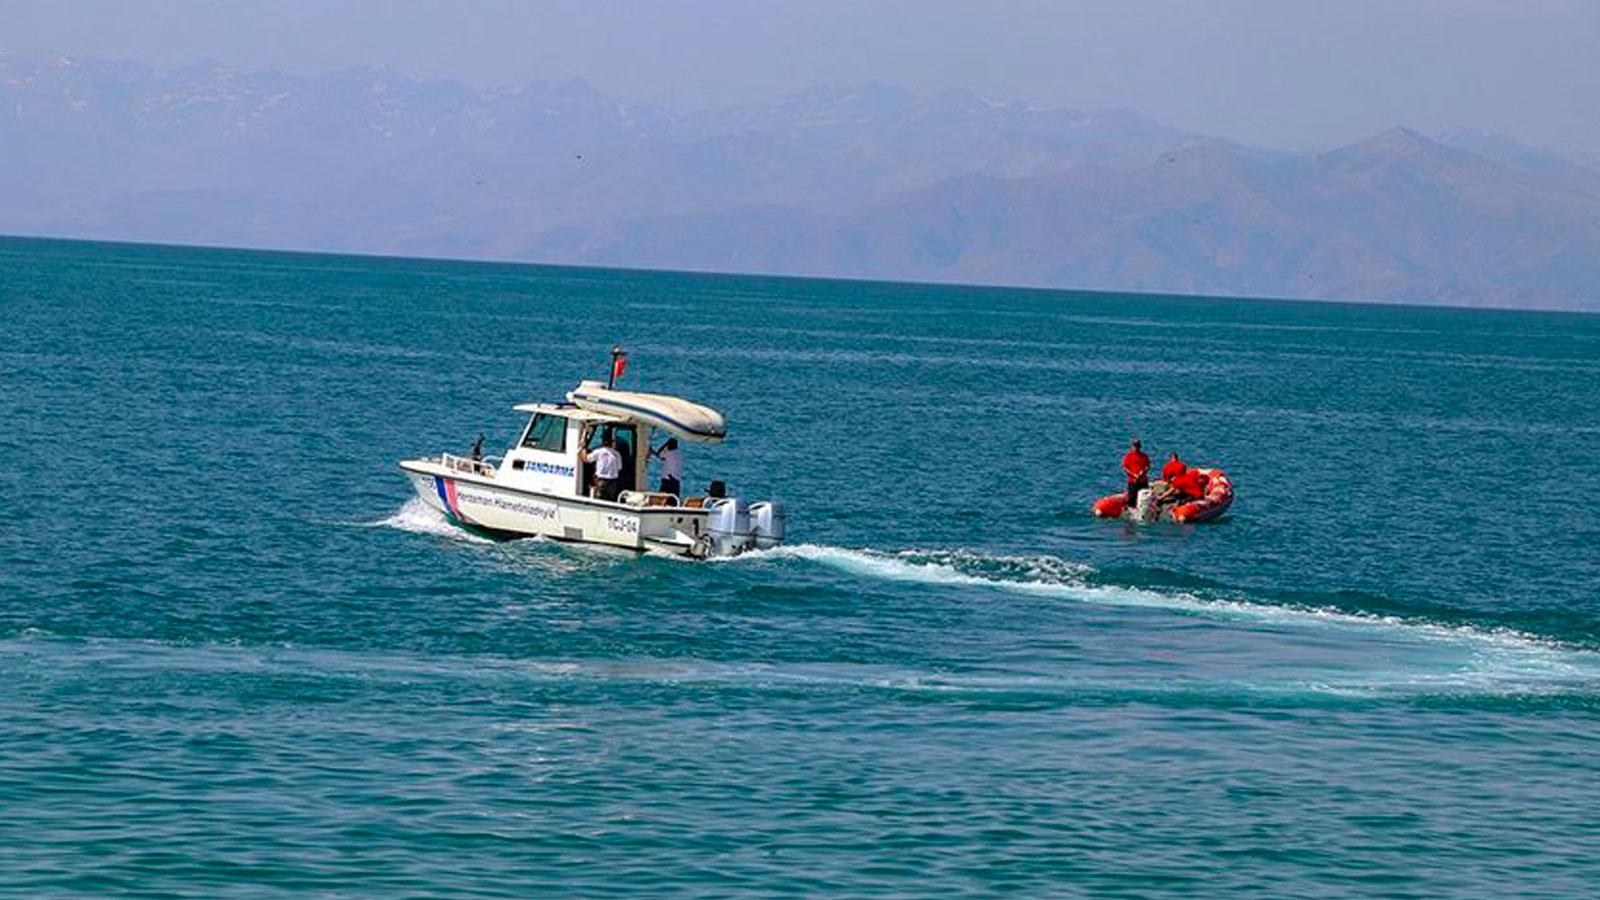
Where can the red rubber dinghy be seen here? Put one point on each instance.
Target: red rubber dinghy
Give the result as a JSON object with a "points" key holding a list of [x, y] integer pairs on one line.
{"points": [[1218, 497]]}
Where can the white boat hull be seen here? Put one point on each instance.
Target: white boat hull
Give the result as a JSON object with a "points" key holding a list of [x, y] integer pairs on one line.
{"points": [[477, 502]]}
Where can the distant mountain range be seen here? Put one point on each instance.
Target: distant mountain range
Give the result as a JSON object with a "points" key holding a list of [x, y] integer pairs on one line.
{"points": [[871, 181]]}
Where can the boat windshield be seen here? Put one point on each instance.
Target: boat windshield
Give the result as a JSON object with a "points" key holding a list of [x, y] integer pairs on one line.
{"points": [[546, 432]]}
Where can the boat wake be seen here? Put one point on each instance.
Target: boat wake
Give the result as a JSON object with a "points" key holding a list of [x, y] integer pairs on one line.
{"points": [[526, 555], [1070, 683], [418, 517], [1050, 576], [1446, 656], [1337, 651]]}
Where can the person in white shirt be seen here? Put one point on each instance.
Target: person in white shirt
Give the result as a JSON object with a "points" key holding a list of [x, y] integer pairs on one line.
{"points": [[671, 467], [607, 467]]}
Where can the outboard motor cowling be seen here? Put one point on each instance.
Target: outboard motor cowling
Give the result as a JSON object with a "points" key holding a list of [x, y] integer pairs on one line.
{"points": [[1147, 509], [728, 523], [767, 520]]}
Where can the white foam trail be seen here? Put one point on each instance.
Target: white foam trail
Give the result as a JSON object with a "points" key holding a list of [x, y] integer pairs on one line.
{"points": [[112, 654], [1477, 661], [419, 518], [1047, 576]]}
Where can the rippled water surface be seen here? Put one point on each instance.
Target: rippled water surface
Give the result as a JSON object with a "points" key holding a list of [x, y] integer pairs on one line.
{"points": [[236, 659]]}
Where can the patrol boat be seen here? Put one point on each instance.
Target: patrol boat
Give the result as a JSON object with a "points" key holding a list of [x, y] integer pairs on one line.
{"points": [[540, 486]]}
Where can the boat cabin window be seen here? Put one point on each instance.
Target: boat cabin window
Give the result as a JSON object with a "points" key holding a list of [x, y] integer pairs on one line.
{"points": [[546, 432]]}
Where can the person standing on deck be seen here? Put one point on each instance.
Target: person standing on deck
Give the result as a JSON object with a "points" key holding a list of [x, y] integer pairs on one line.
{"points": [[607, 467], [671, 467], [1136, 465]]}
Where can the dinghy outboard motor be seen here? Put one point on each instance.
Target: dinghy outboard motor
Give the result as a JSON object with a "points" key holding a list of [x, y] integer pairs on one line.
{"points": [[1147, 510], [728, 523], [767, 520]]}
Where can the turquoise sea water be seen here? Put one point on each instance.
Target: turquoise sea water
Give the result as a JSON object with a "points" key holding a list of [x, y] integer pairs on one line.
{"points": [[236, 659]]}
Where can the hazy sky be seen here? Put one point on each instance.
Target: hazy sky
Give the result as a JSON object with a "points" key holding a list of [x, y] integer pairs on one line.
{"points": [[1288, 74]]}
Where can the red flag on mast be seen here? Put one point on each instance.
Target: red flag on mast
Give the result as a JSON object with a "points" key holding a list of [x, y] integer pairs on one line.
{"points": [[619, 364]]}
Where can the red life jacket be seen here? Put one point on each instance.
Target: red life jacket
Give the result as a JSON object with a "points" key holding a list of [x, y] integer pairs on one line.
{"points": [[1173, 469], [1191, 483], [1136, 464]]}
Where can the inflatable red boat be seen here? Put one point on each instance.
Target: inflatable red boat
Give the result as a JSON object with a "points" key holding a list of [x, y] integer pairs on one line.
{"points": [[1218, 497]]}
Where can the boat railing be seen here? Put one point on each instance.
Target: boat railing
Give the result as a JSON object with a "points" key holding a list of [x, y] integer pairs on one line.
{"points": [[485, 467]]}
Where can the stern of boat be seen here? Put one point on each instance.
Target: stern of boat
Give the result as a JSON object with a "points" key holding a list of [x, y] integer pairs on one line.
{"points": [[736, 528], [719, 526]]}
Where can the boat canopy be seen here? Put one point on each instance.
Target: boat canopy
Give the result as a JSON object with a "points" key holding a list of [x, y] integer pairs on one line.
{"points": [[567, 411], [680, 417]]}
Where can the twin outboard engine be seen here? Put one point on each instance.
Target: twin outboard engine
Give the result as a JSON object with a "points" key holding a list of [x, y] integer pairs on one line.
{"points": [[734, 527], [768, 521], [728, 524]]}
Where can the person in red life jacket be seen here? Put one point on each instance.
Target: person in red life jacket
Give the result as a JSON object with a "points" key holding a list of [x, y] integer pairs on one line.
{"points": [[1173, 468], [1137, 467], [1187, 486]]}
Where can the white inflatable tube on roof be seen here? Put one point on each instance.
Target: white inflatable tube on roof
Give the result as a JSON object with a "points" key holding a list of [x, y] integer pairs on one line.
{"points": [[675, 415]]}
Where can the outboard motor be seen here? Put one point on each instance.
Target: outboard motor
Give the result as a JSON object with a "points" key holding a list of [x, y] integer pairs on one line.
{"points": [[1147, 509], [767, 520], [728, 523]]}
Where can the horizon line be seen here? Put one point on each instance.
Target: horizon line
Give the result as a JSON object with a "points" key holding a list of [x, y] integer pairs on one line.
{"points": [[718, 273]]}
